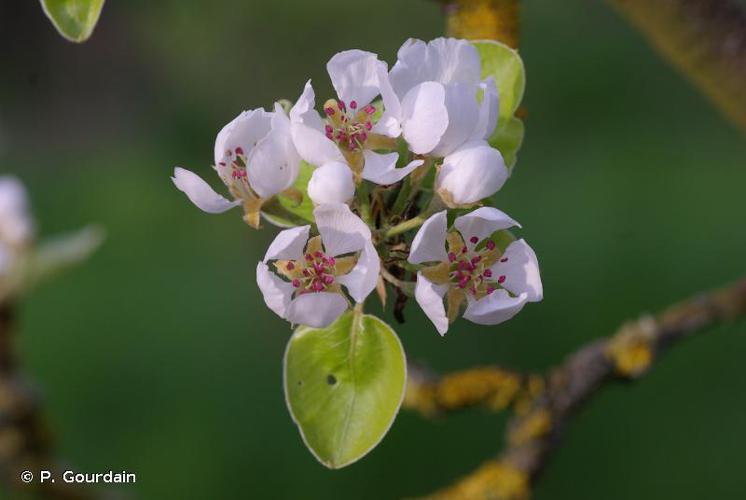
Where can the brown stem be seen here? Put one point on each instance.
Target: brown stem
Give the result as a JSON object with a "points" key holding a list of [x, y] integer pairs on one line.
{"points": [[25, 440], [536, 428], [704, 39]]}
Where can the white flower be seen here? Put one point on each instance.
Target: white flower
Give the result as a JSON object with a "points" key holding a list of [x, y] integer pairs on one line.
{"points": [[433, 96], [310, 275], [16, 226], [348, 133], [471, 173], [16, 231], [494, 285], [256, 160]]}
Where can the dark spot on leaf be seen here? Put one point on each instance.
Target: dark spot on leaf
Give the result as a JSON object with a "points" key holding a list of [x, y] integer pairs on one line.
{"points": [[331, 379], [300, 382]]}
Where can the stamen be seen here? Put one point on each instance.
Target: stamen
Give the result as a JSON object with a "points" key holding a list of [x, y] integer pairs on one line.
{"points": [[504, 259], [487, 273], [501, 279], [451, 257], [474, 240], [239, 150], [290, 266], [353, 104], [490, 245], [296, 283]]}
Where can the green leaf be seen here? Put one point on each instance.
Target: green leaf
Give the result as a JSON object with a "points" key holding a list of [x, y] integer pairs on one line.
{"points": [[287, 212], [508, 138], [74, 19], [344, 385], [506, 67]]}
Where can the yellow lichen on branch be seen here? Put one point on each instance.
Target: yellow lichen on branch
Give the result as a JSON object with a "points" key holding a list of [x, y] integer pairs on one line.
{"points": [[492, 387], [504, 481], [483, 20]]}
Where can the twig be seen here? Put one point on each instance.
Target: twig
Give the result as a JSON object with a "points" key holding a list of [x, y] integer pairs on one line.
{"points": [[25, 441], [704, 39], [483, 20], [537, 426]]}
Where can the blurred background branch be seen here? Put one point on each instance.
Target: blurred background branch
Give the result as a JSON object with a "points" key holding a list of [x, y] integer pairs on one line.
{"points": [[704, 39], [537, 426], [25, 441]]}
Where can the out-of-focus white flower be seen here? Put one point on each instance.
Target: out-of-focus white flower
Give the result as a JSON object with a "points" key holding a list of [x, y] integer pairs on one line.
{"points": [[433, 96], [494, 285], [348, 133], [16, 232], [310, 276], [256, 160], [471, 173]]}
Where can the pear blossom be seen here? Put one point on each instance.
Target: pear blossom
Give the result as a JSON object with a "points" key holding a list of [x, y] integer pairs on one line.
{"points": [[493, 285], [432, 95], [16, 230], [349, 133], [256, 160], [308, 278]]}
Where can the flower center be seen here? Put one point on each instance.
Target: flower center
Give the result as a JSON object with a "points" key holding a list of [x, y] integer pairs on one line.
{"points": [[346, 125], [470, 269], [316, 272], [232, 171]]}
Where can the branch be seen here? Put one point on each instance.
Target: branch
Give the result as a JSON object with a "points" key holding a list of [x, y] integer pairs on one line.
{"points": [[483, 20], [25, 440], [537, 426], [704, 39]]}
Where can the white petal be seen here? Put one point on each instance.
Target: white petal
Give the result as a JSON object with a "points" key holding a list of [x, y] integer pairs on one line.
{"points": [[341, 231], [354, 74], [390, 122], [244, 131], [362, 279], [463, 117], [424, 116], [473, 172], [317, 310], [521, 271], [307, 131], [288, 244], [277, 292], [200, 193], [454, 60], [410, 68], [273, 165], [304, 105], [381, 168], [494, 308], [429, 244], [488, 110], [331, 183], [430, 298], [16, 226], [482, 223], [444, 60]]}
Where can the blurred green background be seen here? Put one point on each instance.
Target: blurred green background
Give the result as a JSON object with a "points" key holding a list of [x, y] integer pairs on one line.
{"points": [[160, 357]]}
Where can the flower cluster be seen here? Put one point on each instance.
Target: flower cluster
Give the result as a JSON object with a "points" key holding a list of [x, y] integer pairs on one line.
{"points": [[393, 150]]}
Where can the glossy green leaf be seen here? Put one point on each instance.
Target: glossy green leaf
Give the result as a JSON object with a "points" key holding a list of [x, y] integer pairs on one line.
{"points": [[506, 67], [74, 19], [344, 385], [508, 138]]}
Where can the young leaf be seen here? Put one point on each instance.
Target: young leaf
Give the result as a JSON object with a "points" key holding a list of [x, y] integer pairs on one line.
{"points": [[507, 139], [506, 67], [344, 385], [74, 19]]}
